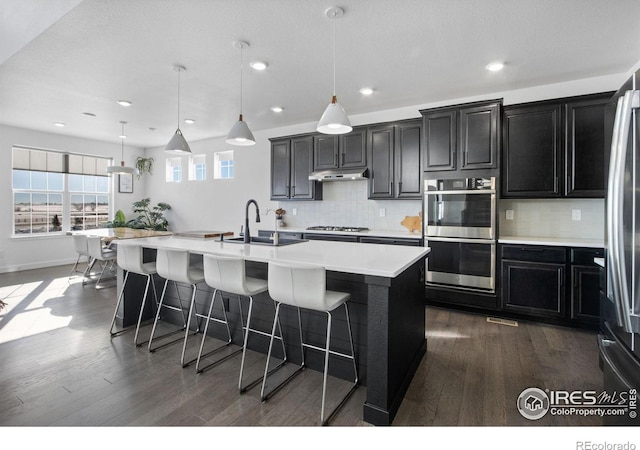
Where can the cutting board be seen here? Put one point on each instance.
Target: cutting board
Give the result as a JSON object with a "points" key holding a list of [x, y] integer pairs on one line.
{"points": [[203, 234]]}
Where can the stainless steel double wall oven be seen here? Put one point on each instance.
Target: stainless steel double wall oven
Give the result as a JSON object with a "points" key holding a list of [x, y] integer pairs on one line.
{"points": [[460, 227]]}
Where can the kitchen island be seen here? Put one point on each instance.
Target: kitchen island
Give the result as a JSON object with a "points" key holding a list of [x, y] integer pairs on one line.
{"points": [[387, 307]]}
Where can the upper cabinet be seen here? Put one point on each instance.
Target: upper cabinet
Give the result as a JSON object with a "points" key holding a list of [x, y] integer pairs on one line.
{"points": [[395, 163], [343, 151], [291, 164], [463, 137], [555, 148]]}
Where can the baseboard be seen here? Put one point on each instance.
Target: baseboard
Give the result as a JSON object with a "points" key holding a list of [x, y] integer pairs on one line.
{"points": [[36, 265]]}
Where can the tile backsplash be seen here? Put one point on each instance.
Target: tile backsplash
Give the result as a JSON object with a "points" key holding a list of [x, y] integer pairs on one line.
{"points": [[345, 203], [552, 218]]}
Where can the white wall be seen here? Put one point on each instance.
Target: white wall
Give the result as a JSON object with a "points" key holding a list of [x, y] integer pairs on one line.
{"points": [[220, 204], [19, 253]]}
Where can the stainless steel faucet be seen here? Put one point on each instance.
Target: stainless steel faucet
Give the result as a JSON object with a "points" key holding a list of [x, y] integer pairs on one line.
{"points": [[247, 234]]}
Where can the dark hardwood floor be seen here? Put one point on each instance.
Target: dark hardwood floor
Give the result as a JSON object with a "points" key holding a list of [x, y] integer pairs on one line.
{"points": [[61, 368]]}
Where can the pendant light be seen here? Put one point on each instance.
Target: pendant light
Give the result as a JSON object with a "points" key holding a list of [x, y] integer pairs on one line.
{"points": [[334, 120], [122, 168], [178, 144], [240, 133]]}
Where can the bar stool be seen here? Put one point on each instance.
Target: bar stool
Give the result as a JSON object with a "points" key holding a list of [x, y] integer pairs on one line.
{"points": [[228, 274], [99, 254], [174, 265], [304, 286], [80, 246], [130, 259]]}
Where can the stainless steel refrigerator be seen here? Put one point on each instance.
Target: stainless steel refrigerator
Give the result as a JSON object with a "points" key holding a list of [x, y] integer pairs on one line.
{"points": [[619, 340]]}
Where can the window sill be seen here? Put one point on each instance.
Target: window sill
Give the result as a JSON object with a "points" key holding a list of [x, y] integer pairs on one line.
{"points": [[27, 237]]}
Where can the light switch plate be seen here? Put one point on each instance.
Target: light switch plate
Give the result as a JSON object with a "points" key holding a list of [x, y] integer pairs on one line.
{"points": [[509, 214], [295, 211], [383, 212]]}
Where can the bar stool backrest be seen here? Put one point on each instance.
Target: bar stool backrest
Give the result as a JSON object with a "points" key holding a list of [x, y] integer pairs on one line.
{"points": [[130, 259], [80, 244], [94, 247], [298, 285], [226, 273], [174, 265]]}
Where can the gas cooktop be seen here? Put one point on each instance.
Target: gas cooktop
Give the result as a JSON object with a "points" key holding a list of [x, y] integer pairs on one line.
{"points": [[331, 228]]}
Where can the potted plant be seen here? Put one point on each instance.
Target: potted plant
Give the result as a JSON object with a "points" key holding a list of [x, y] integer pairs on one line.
{"points": [[144, 165], [119, 220], [150, 218]]}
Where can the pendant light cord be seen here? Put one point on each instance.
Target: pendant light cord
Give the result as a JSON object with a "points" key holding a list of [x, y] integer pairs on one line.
{"points": [[179, 69], [122, 141], [241, 48], [334, 53]]}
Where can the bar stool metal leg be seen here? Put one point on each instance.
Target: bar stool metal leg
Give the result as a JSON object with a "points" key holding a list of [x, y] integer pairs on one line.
{"points": [[157, 318], [243, 389], [209, 319]]}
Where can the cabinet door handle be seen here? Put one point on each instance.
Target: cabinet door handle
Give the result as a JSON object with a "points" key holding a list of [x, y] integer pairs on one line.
{"points": [[293, 191], [342, 163]]}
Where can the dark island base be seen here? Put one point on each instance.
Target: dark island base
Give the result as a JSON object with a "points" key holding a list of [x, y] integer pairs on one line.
{"points": [[387, 317]]}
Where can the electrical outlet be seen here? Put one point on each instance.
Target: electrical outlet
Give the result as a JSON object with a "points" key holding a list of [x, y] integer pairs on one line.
{"points": [[383, 212], [295, 211], [509, 214], [576, 214]]}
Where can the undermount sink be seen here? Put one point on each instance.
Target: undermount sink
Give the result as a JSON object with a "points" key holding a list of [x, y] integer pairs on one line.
{"points": [[260, 240]]}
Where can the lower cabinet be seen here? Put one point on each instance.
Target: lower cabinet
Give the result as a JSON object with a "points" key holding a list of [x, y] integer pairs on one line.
{"points": [[551, 282]]}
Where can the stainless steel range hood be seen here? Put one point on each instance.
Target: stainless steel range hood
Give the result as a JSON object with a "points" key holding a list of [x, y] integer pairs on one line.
{"points": [[339, 175]]}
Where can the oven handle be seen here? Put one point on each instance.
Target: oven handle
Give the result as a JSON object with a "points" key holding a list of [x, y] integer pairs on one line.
{"points": [[463, 240]]}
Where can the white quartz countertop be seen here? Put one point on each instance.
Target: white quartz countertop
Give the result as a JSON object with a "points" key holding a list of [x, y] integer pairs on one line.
{"points": [[560, 242], [371, 233], [349, 257]]}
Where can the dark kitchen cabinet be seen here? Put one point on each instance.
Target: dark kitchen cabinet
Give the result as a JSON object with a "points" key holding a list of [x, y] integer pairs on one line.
{"points": [[395, 165], [461, 138], [533, 283], [408, 167], [344, 151], [532, 149], [554, 148], [380, 153], [533, 280], [585, 285], [585, 148], [291, 164]]}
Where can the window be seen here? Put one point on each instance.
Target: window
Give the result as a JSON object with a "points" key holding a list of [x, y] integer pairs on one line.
{"points": [[223, 165], [197, 167], [174, 170], [55, 191]]}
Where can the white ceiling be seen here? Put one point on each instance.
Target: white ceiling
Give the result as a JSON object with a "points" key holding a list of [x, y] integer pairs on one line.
{"points": [[62, 58]]}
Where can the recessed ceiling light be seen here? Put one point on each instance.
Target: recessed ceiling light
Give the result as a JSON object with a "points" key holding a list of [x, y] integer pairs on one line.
{"points": [[58, 124], [189, 121], [277, 109], [494, 66], [152, 129], [88, 114], [258, 65], [124, 103], [366, 91]]}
